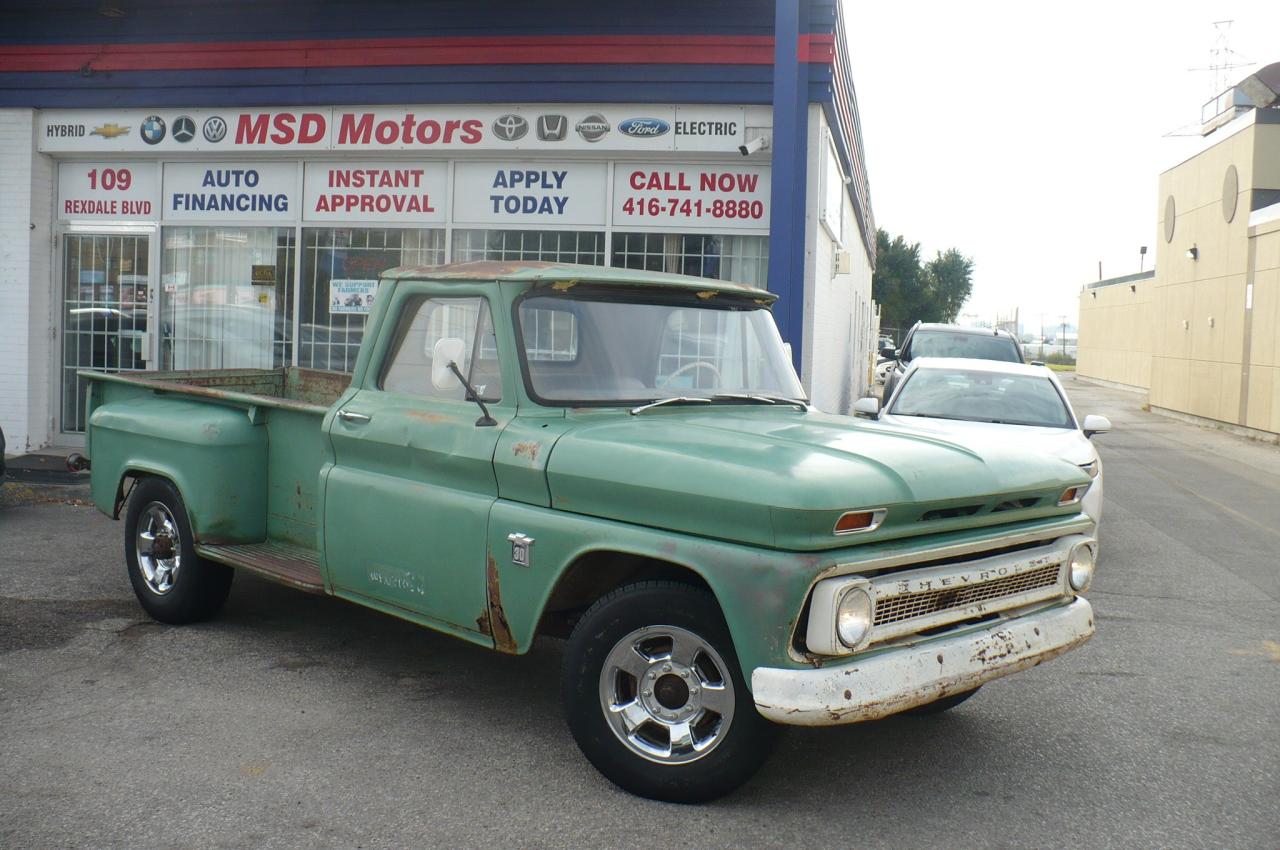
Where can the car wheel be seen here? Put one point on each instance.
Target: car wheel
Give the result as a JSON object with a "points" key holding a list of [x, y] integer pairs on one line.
{"points": [[940, 705], [655, 698], [173, 584]]}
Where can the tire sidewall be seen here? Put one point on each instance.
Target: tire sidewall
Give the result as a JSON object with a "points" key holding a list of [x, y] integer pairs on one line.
{"points": [[200, 586], [748, 740]]}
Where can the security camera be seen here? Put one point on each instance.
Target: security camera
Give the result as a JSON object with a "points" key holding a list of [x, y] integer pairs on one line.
{"points": [[759, 143]]}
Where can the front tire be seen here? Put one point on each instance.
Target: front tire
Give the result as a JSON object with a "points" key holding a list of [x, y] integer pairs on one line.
{"points": [[656, 699], [173, 584]]}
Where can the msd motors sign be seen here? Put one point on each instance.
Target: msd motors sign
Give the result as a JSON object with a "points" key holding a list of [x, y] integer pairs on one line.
{"points": [[547, 127]]}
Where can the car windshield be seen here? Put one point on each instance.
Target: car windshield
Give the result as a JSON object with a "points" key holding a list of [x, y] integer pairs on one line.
{"points": [[960, 344], [605, 346], [981, 396]]}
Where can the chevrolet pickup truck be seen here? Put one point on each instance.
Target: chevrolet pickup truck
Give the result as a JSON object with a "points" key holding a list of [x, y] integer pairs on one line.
{"points": [[620, 458]]}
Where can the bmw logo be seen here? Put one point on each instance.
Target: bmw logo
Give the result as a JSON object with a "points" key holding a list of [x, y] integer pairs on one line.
{"points": [[184, 129], [153, 129], [215, 129], [510, 127], [593, 128]]}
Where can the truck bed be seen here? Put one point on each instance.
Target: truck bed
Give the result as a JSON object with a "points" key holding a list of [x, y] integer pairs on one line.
{"points": [[244, 445]]}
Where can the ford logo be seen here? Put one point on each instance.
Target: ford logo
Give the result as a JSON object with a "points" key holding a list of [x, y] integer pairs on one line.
{"points": [[643, 127]]}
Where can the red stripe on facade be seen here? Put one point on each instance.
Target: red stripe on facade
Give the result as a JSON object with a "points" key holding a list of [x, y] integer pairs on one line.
{"points": [[382, 52], [819, 48]]}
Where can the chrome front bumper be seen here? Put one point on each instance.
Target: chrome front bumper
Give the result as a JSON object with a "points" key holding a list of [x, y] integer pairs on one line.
{"points": [[903, 677]]}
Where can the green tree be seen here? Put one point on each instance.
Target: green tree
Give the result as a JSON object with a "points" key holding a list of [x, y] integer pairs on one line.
{"points": [[909, 291]]}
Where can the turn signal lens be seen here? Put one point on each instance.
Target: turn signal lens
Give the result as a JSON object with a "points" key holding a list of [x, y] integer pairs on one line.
{"points": [[854, 522], [1072, 495]]}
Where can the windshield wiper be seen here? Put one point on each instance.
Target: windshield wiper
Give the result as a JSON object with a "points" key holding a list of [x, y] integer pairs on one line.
{"points": [[679, 399], [762, 398]]}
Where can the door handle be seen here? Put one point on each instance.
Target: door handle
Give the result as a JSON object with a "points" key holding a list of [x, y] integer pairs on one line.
{"points": [[355, 418]]}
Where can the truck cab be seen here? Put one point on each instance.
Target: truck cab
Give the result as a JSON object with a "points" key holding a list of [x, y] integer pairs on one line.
{"points": [[623, 459]]}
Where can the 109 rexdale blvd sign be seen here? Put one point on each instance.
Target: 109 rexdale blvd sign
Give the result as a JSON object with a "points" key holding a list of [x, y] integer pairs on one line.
{"points": [[618, 127]]}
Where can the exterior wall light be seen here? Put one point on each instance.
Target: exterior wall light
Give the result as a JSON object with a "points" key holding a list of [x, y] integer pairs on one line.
{"points": [[1193, 253]]}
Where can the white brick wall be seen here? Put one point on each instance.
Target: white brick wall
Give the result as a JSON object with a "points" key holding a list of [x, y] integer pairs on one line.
{"points": [[26, 185], [837, 342]]}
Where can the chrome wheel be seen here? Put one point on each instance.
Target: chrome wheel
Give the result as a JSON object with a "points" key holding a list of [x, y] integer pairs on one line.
{"points": [[667, 694], [159, 548]]}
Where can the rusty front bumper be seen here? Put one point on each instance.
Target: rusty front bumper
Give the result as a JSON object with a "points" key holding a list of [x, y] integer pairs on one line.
{"points": [[904, 677]]}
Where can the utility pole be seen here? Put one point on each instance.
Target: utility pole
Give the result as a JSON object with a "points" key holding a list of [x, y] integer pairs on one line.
{"points": [[1064, 336], [1042, 336], [1142, 258]]}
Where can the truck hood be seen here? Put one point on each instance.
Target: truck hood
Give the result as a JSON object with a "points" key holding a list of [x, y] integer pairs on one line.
{"points": [[781, 478]]}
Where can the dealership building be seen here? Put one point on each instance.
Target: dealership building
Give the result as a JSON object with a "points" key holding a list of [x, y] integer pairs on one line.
{"points": [[219, 186]]}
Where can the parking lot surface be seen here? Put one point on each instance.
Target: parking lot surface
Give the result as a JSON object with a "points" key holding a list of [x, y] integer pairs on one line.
{"points": [[294, 720]]}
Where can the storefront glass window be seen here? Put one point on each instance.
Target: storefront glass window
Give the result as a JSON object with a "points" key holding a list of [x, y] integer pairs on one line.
{"points": [[105, 284], [556, 246], [227, 301], [338, 265], [743, 259]]}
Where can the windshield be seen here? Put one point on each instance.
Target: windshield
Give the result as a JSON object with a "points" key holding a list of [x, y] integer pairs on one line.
{"points": [[952, 344], [595, 347], [979, 396]]}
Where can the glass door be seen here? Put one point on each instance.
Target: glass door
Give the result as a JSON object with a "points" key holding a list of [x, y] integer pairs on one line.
{"points": [[106, 283]]}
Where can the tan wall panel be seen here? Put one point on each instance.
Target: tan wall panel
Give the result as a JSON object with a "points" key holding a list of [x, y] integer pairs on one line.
{"points": [[1261, 381]]}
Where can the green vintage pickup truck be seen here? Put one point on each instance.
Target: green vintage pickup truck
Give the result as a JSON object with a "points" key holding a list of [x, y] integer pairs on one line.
{"points": [[625, 459]]}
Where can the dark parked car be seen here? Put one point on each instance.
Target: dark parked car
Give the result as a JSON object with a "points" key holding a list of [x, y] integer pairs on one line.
{"points": [[933, 340]]}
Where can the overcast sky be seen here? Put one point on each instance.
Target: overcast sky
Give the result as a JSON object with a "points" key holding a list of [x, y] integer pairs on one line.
{"points": [[1030, 136]]}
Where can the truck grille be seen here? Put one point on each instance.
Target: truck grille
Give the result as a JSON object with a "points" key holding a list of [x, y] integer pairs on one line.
{"points": [[895, 609]]}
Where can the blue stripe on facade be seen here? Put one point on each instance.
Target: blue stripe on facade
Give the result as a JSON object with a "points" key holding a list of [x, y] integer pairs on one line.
{"points": [[182, 20], [419, 84]]}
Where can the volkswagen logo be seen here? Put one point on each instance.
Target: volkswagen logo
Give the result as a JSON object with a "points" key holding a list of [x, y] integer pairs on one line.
{"points": [[215, 129], [508, 128], [643, 128], [593, 128], [153, 129], [184, 129], [552, 128]]}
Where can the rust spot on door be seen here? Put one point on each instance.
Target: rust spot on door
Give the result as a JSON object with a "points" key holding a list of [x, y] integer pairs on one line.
{"points": [[498, 629], [528, 449], [424, 416]]}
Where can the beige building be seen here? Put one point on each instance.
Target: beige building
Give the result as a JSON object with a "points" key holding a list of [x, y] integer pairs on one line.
{"points": [[1202, 334]]}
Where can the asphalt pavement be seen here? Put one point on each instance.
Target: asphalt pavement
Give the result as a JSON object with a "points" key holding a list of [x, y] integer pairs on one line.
{"points": [[293, 720]]}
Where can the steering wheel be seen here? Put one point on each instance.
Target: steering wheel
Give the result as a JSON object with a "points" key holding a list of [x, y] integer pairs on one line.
{"points": [[697, 364]]}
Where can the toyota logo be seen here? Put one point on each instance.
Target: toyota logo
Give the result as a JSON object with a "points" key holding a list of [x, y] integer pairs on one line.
{"points": [[508, 128], [184, 129], [215, 129]]}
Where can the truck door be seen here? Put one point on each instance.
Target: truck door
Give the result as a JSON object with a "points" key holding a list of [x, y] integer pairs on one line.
{"points": [[407, 498]]}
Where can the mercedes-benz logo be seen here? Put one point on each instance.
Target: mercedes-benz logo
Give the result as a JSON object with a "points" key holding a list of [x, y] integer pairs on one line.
{"points": [[508, 128], [215, 129], [184, 129], [153, 129]]}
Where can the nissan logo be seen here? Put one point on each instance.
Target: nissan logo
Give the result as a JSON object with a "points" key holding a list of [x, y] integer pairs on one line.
{"points": [[643, 128], [593, 128], [508, 128]]}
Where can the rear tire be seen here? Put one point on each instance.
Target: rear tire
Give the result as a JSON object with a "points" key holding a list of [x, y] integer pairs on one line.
{"points": [[173, 584], [656, 699]]}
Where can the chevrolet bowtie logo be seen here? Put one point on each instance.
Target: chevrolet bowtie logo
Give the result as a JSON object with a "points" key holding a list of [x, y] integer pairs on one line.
{"points": [[109, 131]]}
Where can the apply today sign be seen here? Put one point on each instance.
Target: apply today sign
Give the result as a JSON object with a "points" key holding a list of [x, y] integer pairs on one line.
{"points": [[546, 195]]}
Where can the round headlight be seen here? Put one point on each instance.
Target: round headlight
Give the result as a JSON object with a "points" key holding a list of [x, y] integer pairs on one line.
{"points": [[853, 617], [1082, 564]]}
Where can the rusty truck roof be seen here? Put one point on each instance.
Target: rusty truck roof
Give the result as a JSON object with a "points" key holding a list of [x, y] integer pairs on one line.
{"points": [[545, 272]]}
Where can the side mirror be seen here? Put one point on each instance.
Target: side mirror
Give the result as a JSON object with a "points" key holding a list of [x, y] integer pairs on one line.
{"points": [[448, 349], [889, 352], [1094, 424], [868, 407]]}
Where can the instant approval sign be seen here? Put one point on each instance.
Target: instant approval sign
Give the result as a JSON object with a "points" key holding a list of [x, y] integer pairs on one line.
{"points": [[370, 191], [527, 194]]}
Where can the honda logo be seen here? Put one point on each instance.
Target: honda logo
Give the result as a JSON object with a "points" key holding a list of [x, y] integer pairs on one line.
{"points": [[552, 128]]}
